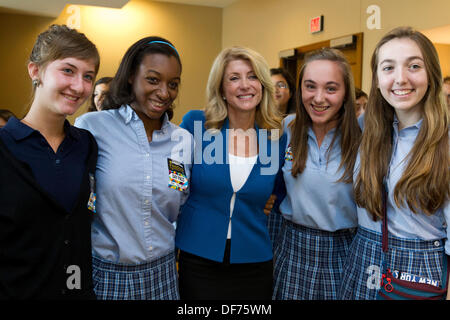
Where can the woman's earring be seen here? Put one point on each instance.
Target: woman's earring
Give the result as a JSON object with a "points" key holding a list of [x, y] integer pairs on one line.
{"points": [[224, 99], [36, 82]]}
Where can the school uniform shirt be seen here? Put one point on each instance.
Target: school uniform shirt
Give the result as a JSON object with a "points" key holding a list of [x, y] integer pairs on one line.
{"points": [[140, 185], [402, 222], [314, 199], [45, 219], [58, 173]]}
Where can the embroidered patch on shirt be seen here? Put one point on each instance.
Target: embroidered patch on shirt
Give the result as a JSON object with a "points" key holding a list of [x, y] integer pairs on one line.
{"points": [[288, 153], [93, 196], [177, 175]]}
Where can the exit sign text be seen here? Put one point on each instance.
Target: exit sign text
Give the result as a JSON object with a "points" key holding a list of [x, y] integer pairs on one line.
{"points": [[316, 24]]}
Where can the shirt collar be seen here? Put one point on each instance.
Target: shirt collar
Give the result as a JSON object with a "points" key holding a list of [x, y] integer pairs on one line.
{"points": [[17, 129], [71, 130], [128, 114], [330, 133], [165, 123], [412, 128], [20, 130]]}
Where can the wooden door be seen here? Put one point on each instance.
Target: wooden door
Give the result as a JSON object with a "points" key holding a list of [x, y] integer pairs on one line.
{"points": [[353, 52]]}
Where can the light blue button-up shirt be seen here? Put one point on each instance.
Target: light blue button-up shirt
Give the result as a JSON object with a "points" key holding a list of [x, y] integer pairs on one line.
{"points": [[402, 222], [136, 208], [314, 199]]}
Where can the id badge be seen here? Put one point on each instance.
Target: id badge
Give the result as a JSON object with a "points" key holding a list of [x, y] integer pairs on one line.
{"points": [[177, 175], [288, 153], [93, 196]]}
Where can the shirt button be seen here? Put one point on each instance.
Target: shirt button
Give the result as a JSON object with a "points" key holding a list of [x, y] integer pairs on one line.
{"points": [[146, 223], [150, 248], [58, 161], [66, 242], [437, 243], [148, 177], [146, 201]]}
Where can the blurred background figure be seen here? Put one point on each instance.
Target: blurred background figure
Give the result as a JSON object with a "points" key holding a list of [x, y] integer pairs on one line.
{"points": [[284, 90], [285, 98], [100, 89], [446, 89], [361, 101], [4, 117]]}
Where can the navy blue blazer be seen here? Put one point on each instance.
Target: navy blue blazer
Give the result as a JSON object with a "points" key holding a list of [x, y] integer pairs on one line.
{"points": [[202, 225]]}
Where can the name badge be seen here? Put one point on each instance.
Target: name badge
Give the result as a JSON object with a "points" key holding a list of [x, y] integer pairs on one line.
{"points": [[93, 196], [414, 278], [288, 153], [177, 175]]}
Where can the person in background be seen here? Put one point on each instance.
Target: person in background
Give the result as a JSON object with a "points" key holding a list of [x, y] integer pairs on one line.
{"points": [[47, 188], [225, 249], [319, 212], [142, 176], [446, 89], [284, 90], [285, 98], [5, 115], [361, 101], [403, 166], [101, 87]]}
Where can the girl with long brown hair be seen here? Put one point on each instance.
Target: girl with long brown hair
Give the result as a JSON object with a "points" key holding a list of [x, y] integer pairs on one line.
{"points": [[319, 212], [404, 156]]}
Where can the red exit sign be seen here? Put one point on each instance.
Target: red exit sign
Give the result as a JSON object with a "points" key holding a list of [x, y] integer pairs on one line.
{"points": [[316, 24]]}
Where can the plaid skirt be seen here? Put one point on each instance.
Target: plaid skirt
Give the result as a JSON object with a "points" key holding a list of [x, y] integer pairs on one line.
{"points": [[364, 266], [274, 222], [155, 280], [309, 262]]}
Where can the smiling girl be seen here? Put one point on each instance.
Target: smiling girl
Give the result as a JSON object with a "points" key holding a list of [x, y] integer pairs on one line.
{"points": [[319, 213], [141, 178], [404, 154], [46, 174]]}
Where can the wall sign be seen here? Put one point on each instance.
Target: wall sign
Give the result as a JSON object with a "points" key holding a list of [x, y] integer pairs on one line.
{"points": [[316, 24]]}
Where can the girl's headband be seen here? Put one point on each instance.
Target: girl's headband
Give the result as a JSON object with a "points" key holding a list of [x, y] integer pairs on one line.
{"points": [[166, 43]]}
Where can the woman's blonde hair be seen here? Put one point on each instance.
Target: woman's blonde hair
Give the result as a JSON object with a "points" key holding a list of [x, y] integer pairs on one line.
{"points": [[424, 185], [347, 126], [267, 114]]}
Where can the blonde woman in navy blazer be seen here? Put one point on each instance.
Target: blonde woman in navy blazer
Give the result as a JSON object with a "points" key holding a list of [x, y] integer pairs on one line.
{"points": [[225, 249]]}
